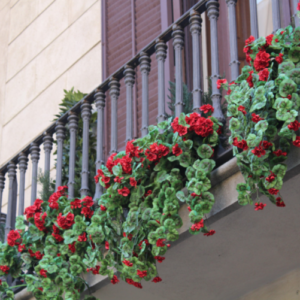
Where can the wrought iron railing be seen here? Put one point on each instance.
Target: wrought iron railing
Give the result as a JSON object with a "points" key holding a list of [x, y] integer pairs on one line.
{"points": [[191, 18]]}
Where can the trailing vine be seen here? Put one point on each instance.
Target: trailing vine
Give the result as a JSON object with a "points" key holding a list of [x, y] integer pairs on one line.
{"points": [[137, 217]]}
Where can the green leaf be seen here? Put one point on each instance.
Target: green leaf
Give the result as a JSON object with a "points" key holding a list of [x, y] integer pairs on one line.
{"points": [[261, 126], [117, 170], [294, 54], [185, 159], [287, 87], [205, 151], [285, 67], [181, 196], [234, 124], [207, 165], [162, 125]]}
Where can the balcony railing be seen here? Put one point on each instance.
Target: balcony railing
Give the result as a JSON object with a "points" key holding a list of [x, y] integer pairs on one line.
{"points": [[175, 32]]}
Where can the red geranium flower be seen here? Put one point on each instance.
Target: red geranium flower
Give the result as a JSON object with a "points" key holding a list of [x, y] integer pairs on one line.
{"points": [[256, 118], [279, 202], [21, 248], [273, 191], [82, 237], [279, 153], [206, 108], [107, 245], [14, 238], [160, 259], [263, 75], [220, 82], [279, 58], [269, 39], [182, 130], [148, 193], [87, 212], [141, 274], [114, 280], [4, 269], [76, 203], [211, 232], [65, 222], [127, 263], [259, 206], [298, 6], [297, 142], [250, 40], [176, 150], [43, 273], [294, 125], [124, 191], [271, 177], [240, 144], [132, 181], [103, 208], [261, 60], [258, 151], [198, 225], [160, 243], [72, 247], [87, 201], [250, 78], [156, 279], [242, 109]]}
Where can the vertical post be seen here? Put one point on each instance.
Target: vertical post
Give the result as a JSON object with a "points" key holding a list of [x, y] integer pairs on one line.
{"points": [[85, 115], [48, 142], [178, 43], [296, 18], [2, 185], [195, 28], [161, 54], [73, 125], [145, 69], [60, 135], [253, 18], [114, 93], [129, 82], [100, 105], [23, 160], [276, 15], [10, 217], [35, 155], [234, 64], [213, 13]]}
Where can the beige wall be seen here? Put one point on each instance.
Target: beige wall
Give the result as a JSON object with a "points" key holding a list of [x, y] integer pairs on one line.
{"points": [[45, 46], [264, 15]]}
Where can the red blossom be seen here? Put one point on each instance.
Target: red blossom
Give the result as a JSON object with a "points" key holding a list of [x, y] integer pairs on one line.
{"points": [[259, 206], [82, 237], [141, 274], [258, 151], [297, 142], [118, 179], [38, 255], [114, 280], [261, 60], [21, 248], [107, 245], [189, 208], [279, 153], [160, 259], [250, 78], [87, 201], [72, 247], [240, 144], [87, 212], [43, 273], [242, 109], [76, 204], [211, 232], [58, 237], [279, 202], [148, 193], [156, 279], [279, 58], [127, 263], [263, 75], [65, 222], [250, 40], [176, 150], [269, 39], [294, 125], [14, 238], [160, 243], [39, 220], [298, 6], [220, 82], [124, 191], [271, 177], [182, 130], [256, 118], [132, 181], [206, 108], [131, 150], [4, 269], [103, 208], [273, 191], [198, 225]]}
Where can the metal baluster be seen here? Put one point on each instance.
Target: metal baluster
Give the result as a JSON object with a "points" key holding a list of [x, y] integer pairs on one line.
{"points": [[161, 54], [2, 185], [60, 135], [145, 69], [276, 15], [73, 125], [85, 115], [213, 13], [48, 142], [234, 64], [10, 216], [296, 18], [114, 93], [195, 29], [178, 43], [253, 18], [129, 82], [35, 156], [23, 160], [100, 104]]}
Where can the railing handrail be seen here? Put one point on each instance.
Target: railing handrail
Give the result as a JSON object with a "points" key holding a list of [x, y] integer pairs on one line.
{"points": [[165, 36]]}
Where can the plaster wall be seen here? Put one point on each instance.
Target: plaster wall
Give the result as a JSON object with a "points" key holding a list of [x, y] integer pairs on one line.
{"points": [[46, 46]]}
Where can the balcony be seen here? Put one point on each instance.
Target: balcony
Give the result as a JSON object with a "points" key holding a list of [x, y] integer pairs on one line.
{"points": [[225, 254]]}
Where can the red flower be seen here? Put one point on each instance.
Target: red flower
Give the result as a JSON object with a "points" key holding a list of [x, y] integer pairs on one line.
{"points": [[82, 237], [248, 58], [297, 142], [132, 150], [95, 270], [256, 118], [137, 285], [127, 263], [115, 280], [250, 78], [38, 255], [242, 109], [141, 274], [279, 153], [72, 247], [261, 60], [31, 253], [160, 243], [294, 125], [298, 6], [65, 222], [118, 179], [107, 245], [160, 259], [129, 281], [87, 201], [276, 40], [271, 177], [240, 144], [58, 254], [263, 75], [259, 206], [21, 248], [4, 269], [279, 202], [206, 108], [189, 208], [58, 237], [43, 273], [39, 220], [87, 212], [176, 150], [148, 193], [273, 191], [141, 242], [156, 279], [220, 82], [289, 97], [103, 208], [211, 232], [269, 39], [76, 203], [132, 181], [61, 189], [258, 151], [265, 144], [12, 238], [53, 205], [40, 288], [182, 130], [198, 225], [219, 131], [250, 40], [124, 191], [279, 58]]}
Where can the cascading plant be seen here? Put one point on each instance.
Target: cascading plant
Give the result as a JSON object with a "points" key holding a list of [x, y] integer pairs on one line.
{"points": [[263, 104]]}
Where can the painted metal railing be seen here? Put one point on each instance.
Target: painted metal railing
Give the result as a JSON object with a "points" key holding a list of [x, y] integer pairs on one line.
{"points": [[191, 18]]}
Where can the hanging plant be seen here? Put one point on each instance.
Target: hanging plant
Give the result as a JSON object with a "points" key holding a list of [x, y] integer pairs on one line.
{"points": [[263, 105]]}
